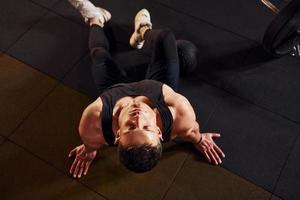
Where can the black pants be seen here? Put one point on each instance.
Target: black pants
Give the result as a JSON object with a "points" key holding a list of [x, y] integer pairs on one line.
{"points": [[164, 66]]}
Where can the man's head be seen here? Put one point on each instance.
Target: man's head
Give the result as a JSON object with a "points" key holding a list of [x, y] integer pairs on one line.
{"points": [[139, 137]]}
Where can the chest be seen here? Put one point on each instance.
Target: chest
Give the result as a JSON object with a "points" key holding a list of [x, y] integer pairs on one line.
{"points": [[123, 102]]}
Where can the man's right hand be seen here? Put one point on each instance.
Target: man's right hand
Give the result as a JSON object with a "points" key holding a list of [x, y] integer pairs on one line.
{"points": [[82, 160]]}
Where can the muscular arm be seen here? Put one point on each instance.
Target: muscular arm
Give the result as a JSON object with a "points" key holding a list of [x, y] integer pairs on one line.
{"points": [[89, 128], [187, 128], [92, 138], [185, 125]]}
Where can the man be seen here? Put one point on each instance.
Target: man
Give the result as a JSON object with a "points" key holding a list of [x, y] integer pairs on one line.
{"points": [[136, 116]]}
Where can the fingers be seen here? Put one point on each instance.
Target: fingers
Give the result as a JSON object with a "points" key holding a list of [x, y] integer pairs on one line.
{"points": [[212, 153], [212, 156], [73, 166], [217, 157], [87, 166], [213, 135], [219, 150], [79, 168], [72, 152], [207, 156]]}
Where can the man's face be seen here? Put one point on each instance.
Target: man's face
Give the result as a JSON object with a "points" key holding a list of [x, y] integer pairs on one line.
{"points": [[137, 123]]}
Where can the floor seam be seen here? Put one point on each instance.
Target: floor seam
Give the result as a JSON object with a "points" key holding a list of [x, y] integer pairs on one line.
{"points": [[285, 162], [213, 112], [43, 6], [244, 178], [207, 22], [59, 82], [65, 190], [57, 13], [33, 110], [54, 167], [251, 102], [247, 100], [174, 178], [21, 36], [3, 141]]}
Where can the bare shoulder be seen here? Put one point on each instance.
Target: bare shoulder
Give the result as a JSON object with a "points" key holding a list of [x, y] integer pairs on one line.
{"points": [[183, 112], [175, 100], [171, 97], [90, 128], [95, 106], [91, 113]]}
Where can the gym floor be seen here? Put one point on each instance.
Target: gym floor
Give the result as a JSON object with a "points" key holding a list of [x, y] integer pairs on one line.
{"points": [[240, 91]]}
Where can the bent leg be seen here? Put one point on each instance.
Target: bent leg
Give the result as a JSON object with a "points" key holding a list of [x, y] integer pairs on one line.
{"points": [[105, 71], [164, 65]]}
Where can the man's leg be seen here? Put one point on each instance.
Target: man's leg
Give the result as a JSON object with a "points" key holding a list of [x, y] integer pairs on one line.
{"points": [[104, 70], [164, 64]]}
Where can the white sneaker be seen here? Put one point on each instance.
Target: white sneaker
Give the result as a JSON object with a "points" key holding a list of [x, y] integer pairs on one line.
{"points": [[142, 18], [88, 10]]}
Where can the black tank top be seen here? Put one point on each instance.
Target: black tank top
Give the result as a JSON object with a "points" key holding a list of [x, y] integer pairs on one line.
{"points": [[149, 88]]}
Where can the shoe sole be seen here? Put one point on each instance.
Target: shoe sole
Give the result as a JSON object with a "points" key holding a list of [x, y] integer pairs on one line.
{"points": [[137, 25]]}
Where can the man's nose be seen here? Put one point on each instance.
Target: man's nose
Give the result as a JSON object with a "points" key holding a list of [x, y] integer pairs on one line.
{"points": [[139, 119], [136, 105]]}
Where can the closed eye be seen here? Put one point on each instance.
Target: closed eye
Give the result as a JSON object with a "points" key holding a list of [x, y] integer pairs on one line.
{"points": [[131, 127]]}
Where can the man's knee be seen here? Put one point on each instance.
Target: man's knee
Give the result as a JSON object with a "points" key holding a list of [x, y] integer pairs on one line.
{"points": [[100, 55], [166, 35]]}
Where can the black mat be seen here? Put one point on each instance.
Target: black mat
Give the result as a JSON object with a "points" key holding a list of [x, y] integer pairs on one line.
{"points": [[53, 46], [289, 184], [80, 78], [273, 84], [65, 9], [203, 97], [45, 3], [256, 142], [16, 17], [244, 17], [257, 137]]}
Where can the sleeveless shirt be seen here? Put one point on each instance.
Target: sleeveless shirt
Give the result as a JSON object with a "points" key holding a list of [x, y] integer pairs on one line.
{"points": [[150, 88]]}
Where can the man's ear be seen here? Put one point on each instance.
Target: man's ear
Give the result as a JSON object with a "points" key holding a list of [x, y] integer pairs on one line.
{"points": [[117, 139], [160, 134]]}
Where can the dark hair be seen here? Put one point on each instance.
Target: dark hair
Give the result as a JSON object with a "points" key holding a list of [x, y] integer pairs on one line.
{"points": [[140, 159], [188, 56]]}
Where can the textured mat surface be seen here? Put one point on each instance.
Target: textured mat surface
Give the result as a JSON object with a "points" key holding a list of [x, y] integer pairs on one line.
{"points": [[14, 24], [273, 84], [243, 17], [20, 169], [288, 183], [238, 90], [50, 46], [20, 93], [251, 138]]}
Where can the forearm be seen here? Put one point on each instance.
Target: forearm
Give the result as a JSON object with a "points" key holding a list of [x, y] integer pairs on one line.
{"points": [[91, 139], [194, 138], [91, 144], [193, 135]]}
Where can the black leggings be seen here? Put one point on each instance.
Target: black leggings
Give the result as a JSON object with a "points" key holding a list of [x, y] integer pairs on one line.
{"points": [[164, 66]]}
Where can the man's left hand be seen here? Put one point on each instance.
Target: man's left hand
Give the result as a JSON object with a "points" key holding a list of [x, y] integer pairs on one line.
{"points": [[209, 149]]}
